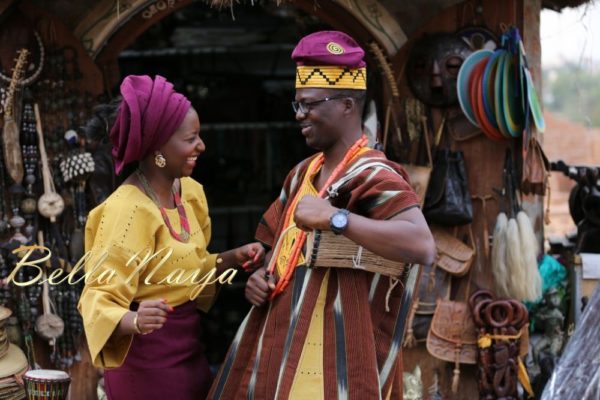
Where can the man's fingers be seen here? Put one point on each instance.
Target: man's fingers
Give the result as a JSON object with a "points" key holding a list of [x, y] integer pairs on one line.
{"points": [[255, 299], [271, 281], [256, 292]]}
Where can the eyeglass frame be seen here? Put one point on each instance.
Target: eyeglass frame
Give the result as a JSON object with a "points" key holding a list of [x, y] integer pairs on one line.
{"points": [[300, 105]]}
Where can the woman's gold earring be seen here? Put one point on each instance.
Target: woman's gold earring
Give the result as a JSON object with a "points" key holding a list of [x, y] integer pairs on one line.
{"points": [[160, 161]]}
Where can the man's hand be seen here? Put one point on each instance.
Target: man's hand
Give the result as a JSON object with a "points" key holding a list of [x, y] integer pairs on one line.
{"points": [[259, 287], [313, 213]]}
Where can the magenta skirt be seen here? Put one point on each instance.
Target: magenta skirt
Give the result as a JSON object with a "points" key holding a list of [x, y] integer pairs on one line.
{"points": [[166, 364]]}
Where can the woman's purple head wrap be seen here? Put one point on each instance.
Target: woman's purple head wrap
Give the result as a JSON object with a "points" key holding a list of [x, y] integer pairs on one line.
{"points": [[151, 111]]}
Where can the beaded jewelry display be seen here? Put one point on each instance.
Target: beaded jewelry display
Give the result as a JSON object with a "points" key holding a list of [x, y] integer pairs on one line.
{"points": [[36, 73], [5, 288], [29, 146]]}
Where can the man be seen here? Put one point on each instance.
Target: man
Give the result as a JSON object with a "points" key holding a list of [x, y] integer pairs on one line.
{"points": [[326, 333]]}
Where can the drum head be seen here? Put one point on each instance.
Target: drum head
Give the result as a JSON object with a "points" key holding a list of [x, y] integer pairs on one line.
{"points": [[49, 374]]}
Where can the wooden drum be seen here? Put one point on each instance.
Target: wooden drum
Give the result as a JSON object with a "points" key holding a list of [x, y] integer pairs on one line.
{"points": [[46, 384]]}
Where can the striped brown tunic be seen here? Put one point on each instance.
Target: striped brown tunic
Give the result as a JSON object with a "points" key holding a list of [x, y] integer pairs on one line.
{"points": [[361, 341]]}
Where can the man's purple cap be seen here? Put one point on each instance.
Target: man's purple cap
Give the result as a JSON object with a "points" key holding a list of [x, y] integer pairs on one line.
{"points": [[329, 48]]}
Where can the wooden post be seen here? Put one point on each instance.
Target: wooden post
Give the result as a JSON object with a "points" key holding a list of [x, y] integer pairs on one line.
{"points": [[530, 29]]}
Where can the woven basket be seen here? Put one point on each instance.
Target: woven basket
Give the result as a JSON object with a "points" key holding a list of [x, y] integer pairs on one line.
{"points": [[326, 249]]}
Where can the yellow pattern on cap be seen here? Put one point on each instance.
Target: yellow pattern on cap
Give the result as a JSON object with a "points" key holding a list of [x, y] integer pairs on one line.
{"points": [[328, 76], [335, 48]]}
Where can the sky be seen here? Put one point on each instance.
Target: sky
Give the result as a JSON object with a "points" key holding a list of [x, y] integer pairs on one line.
{"points": [[572, 35]]}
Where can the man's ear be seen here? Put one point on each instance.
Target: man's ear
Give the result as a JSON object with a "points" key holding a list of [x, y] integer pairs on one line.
{"points": [[349, 105]]}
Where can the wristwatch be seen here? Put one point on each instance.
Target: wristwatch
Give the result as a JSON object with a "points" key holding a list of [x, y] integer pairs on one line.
{"points": [[339, 221]]}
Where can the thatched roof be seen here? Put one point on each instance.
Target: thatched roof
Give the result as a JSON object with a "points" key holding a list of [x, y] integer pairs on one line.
{"points": [[556, 5]]}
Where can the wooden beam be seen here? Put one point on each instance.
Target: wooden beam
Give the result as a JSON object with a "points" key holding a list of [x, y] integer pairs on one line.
{"points": [[5, 5], [533, 205]]}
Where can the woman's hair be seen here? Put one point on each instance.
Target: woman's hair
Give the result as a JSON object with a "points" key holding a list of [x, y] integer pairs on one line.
{"points": [[98, 127]]}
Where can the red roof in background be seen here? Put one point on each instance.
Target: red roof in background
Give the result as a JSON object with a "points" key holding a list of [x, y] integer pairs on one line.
{"points": [[575, 144]]}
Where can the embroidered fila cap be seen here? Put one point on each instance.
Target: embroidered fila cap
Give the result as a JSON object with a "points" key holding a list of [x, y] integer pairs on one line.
{"points": [[329, 59]]}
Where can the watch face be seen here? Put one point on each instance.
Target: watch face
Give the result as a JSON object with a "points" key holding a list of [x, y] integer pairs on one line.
{"points": [[339, 220]]}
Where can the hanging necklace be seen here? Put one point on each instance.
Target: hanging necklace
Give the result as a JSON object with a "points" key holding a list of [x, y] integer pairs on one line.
{"points": [[36, 74], [184, 236], [301, 236]]}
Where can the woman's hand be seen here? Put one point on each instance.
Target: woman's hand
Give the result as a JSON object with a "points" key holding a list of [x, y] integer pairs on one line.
{"points": [[259, 287], [250, 256], [151, 315]]}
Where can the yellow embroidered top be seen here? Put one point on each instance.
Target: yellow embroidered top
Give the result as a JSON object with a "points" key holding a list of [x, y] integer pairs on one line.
{"points": [[308, 379], [120, 233]]}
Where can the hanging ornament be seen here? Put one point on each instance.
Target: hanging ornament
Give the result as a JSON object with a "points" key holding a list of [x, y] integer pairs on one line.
{"points": [[77, 166]]}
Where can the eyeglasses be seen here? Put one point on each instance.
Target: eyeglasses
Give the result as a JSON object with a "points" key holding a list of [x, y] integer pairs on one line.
{"points": [[305, 107]]}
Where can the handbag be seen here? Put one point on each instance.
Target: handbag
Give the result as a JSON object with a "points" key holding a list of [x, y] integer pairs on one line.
{"points": [[453, 255], [434, 284], [454, 258], [448, 201], [453, 334], [536, 169]]}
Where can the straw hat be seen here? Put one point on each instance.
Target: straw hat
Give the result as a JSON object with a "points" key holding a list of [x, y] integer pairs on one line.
{"points": [[13, 363], [5, 313], [12, 368]]}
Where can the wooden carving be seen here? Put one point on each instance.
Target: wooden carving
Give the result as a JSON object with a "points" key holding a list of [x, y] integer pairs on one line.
{"points": [[12, 147]]}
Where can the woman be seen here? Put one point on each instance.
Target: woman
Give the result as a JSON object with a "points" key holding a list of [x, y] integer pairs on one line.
{"points": [[146, 241]]}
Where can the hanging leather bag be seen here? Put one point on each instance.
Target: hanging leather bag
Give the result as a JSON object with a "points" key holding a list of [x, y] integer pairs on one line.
{"points": [[453, 335], [536, 169], [453, 255], [454, 258], [448, 200], [434, 285]]}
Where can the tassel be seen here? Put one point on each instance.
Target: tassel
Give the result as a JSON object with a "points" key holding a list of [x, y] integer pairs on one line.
{"points": [[499, 255], [410, 340], [456, 376], [529, 251], [514, 262], [393, 283], [431, 279]]}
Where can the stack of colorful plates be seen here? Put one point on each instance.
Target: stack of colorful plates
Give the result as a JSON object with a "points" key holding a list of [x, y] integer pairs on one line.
{"points": [[496, 92]]}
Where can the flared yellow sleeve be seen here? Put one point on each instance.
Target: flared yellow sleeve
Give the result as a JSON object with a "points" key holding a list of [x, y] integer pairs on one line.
{"points": [[117, 233]]}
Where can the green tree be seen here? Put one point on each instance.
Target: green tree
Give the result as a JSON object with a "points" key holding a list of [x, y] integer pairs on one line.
{"points": [[574, 93]]}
